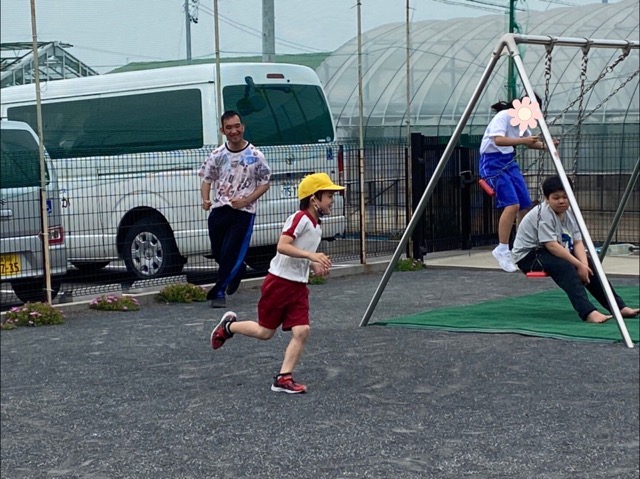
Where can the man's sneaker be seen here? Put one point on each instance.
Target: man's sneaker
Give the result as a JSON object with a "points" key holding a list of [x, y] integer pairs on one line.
{"points": [[221, 332], [286, 384], [505, 260], [218, 303], [233, 286]]}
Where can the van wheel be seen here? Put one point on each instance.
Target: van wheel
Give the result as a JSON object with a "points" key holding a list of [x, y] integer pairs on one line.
{"points": [[259, 258], [149, 250], [90, 267], [33, 290]]}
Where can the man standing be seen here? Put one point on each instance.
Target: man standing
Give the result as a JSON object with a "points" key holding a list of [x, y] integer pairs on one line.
{"points": [[239, 175]]}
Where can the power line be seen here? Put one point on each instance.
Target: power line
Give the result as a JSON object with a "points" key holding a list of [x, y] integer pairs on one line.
{"points": [[117, 53], [257, 33]]}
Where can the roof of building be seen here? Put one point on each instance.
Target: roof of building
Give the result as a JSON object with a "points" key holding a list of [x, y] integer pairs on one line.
{"points": [[54, 63], [447, 59]]}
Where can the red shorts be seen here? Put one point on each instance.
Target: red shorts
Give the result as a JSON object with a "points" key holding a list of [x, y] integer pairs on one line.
{"points": [[283, 302]]}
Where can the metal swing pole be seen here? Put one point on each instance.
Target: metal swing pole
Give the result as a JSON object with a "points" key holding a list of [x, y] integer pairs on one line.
{"points": [[511, 43], [623, 204], [442, 163]]}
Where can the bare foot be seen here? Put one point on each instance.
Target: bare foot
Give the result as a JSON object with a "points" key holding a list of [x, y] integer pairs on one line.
{"points": [[628, 312], [597, 317]]}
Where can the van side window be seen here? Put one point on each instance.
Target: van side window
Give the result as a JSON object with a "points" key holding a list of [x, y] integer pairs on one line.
{"points": [[117, 125], [19, 160], [281, 114]]}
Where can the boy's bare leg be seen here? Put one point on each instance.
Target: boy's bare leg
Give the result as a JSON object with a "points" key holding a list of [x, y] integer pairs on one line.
{"points": [[522, 214], [505, 224], [251, 329], [299, 336], [597, 317]]}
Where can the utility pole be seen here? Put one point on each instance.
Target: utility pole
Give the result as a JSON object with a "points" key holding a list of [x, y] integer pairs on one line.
{"points": [[493, 6], [363, 210], [44, 219], [268, 32], [187, 24], [216, 27], [408, 98], [511, 78]]}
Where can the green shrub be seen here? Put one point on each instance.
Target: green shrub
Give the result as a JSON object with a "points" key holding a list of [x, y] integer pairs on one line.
{"points": [[408, 264], [32, 314], [182, 293], [115, 303], [313, 279]]}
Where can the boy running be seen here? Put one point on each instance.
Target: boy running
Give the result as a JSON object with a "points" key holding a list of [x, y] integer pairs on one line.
{"points": [[285, 296]]}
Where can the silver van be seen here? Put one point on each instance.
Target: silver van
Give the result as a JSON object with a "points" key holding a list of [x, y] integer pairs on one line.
{"points": [[21, 245]]}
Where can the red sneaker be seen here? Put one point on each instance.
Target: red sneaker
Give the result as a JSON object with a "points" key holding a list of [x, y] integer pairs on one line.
{"points": [[221, 332], [286, 384]]}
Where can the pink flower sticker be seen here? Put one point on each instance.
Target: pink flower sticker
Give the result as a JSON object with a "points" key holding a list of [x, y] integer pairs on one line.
{"points": [[525, 114]]}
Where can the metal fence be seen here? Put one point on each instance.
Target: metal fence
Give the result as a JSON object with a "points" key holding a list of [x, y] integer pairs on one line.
{"points": [[459, 215], [376, 202]]}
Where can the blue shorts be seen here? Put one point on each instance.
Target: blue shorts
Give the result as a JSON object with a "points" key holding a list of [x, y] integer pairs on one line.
{"points": [[503, 175]]}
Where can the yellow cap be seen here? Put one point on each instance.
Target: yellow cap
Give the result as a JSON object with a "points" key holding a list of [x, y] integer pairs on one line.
{"points": [[311, 184]]}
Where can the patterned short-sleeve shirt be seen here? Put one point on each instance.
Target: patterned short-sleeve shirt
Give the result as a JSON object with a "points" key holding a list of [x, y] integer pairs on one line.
{"points": [[234, 174]]}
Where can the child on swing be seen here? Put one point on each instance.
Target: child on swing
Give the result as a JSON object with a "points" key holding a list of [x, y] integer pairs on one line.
{"points": [[548, 239], [501, 172]]}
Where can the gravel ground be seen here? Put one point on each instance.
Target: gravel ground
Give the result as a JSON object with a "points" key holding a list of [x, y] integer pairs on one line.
{"points": [[142, 395]]}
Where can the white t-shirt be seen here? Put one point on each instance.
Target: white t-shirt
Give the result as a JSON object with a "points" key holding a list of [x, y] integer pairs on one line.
{"points": [[500, 125], [235, 174], [307, 234], [533, 233]]}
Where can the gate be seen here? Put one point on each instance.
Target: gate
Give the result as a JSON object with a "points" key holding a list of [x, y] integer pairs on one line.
{"points": [[458, 215]]}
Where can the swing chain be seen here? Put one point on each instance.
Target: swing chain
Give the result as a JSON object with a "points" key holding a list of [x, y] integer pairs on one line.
{"points": [[613, 93], [542, 154], [605, 72], [583, 79], [547, 78], [545, 109]]}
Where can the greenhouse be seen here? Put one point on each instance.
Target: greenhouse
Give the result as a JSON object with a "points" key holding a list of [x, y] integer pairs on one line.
{"points": [[447, 59]]}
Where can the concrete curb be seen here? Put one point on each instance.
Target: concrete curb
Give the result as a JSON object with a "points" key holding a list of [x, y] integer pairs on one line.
{"points": [[150, 295]]}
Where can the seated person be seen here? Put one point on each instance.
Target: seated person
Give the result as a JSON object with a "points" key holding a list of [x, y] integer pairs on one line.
{"points": [[549, 240]]}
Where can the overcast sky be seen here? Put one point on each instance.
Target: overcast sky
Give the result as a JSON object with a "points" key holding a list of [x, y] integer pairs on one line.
{"points": [[109, 33]]}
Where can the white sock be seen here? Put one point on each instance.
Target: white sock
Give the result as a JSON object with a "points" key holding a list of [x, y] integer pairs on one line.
{"points": [[502, 247]]}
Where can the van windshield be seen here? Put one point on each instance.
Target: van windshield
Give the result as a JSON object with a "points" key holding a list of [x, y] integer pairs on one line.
{"points": [[19, 160], [281, 114]]}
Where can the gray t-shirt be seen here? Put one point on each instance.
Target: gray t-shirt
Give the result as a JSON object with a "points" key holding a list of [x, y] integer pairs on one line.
{"points": [[533, 233]]}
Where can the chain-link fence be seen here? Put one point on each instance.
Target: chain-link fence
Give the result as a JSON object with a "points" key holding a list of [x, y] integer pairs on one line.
{"points": [[142, 213]]}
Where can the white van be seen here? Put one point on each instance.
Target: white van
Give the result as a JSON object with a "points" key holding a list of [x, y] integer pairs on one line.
{"points": [[21, 245], [127, 147]]}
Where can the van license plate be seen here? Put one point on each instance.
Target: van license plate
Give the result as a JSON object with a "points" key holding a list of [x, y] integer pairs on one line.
{"points": [[10, 264], [289, 191]]}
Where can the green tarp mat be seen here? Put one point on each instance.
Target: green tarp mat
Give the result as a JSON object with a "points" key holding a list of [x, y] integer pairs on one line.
{"points": [[548, 314]]}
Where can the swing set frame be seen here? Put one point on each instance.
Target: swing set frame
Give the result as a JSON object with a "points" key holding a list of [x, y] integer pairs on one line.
{"points": [[508, 44]]}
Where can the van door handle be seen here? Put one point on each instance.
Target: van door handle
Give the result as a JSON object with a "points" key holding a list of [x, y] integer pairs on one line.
{"points": [[6, 213]]}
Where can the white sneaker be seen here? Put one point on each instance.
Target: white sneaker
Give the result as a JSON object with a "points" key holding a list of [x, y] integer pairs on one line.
{"points": [[504, 260]]}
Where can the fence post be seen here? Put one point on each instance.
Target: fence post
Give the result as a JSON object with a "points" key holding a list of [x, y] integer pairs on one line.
{"points": [[408, 203], [418, 186], [466, 180]]}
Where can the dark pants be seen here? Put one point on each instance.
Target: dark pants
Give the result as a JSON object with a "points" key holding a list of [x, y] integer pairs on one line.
{"points": [[566, 276], [230, 234]]}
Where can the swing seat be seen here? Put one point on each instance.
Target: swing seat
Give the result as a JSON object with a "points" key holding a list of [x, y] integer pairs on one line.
{"points": [[537, 274], [486, 187]]}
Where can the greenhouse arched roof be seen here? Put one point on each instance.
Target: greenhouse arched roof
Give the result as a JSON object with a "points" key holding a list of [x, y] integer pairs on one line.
{"points": [[447, 59]]}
